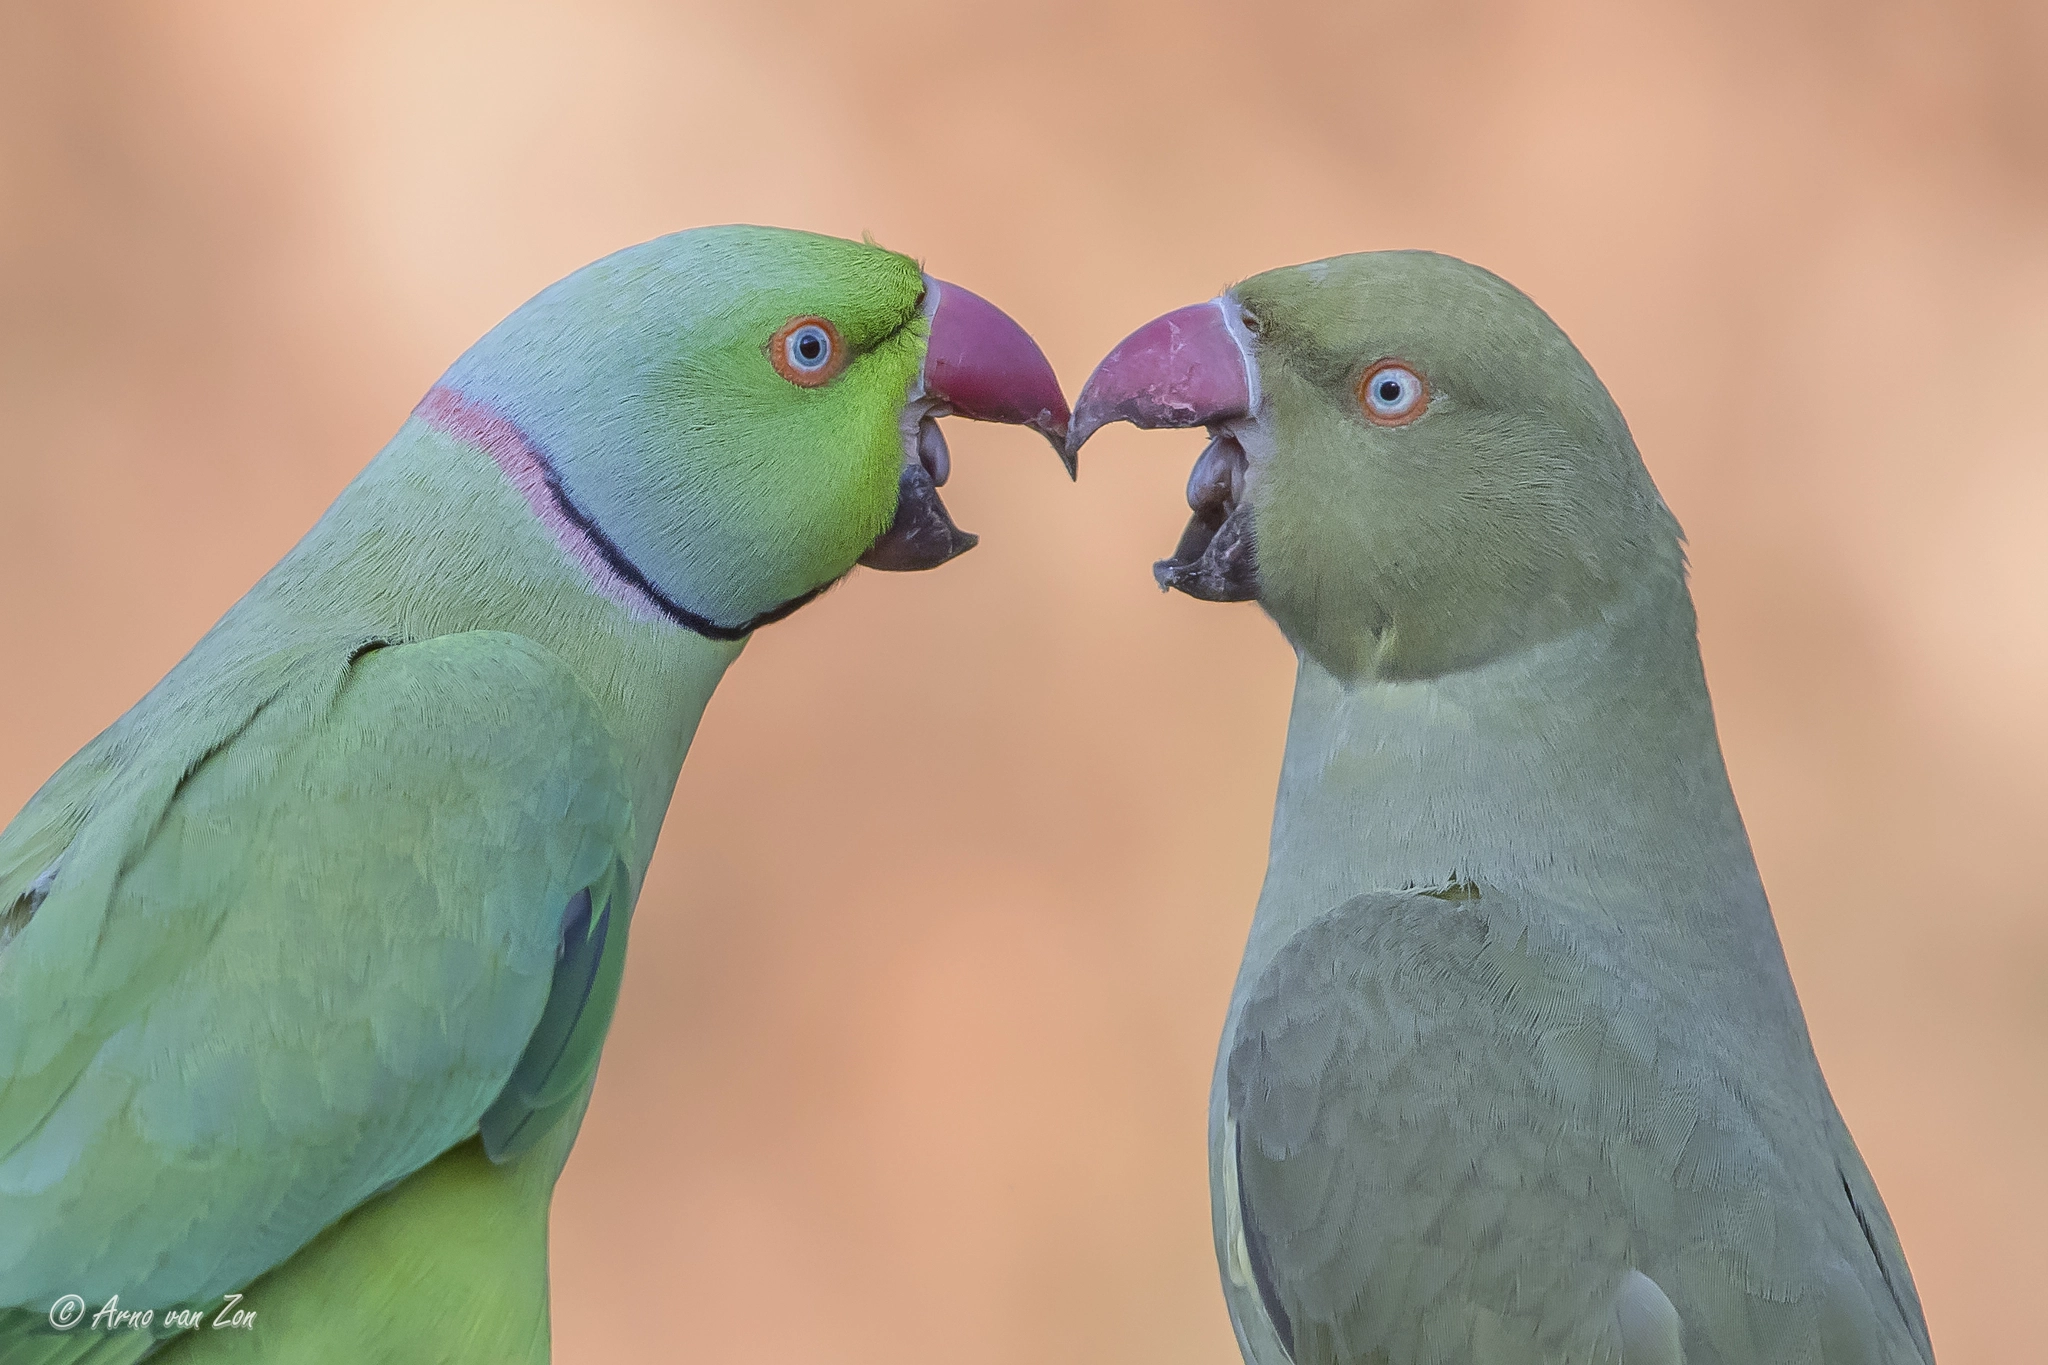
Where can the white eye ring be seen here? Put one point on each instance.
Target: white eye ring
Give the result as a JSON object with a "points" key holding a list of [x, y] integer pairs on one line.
{"points": [[1392, 394], [808, 349]]}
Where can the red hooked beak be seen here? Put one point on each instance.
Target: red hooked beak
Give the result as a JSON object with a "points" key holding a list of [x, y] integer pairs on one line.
{"points": [[979, 364], [1190, 368], [982, 365]]}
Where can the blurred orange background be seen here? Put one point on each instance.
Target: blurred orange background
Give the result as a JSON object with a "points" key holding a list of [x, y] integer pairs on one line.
{"points": [[913, 1055]]}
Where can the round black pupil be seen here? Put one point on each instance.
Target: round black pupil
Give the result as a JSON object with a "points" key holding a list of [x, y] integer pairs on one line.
{"points": [[1390, 390], [810, 346]]}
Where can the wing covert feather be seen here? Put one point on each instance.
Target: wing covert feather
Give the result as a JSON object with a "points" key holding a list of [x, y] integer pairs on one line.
{"points": [[289, 961], [1458, 1126], [561, 1056]]}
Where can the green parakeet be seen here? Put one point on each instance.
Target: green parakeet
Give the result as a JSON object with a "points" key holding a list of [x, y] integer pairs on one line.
{"points": [[1513, 1071], [306, 962]]}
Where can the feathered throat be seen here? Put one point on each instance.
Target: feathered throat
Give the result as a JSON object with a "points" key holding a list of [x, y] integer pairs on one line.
{"points": [[608, 568]]}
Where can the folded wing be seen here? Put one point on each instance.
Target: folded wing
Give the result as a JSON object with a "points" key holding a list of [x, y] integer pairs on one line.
{"points": [[1489, 1128], [285, 957]]}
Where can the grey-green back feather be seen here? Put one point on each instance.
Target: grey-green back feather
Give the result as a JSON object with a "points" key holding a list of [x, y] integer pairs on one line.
{"points": [[1460, 1125]]}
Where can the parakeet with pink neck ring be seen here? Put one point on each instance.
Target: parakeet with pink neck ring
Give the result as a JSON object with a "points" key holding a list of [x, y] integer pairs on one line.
{"points": [[307, 960]]}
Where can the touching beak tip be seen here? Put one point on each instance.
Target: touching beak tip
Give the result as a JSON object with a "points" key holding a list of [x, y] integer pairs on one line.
{"points": [[984, 366], [1069, 448], [1077, 437], [1095, 409], [1053, 424]]}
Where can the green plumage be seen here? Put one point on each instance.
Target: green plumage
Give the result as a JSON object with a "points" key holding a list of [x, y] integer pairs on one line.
{"points": [[1514, 1073], [306, 962], [1610, 1122], [384, 843]]}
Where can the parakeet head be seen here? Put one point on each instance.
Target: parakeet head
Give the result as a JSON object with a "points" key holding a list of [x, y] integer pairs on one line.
{"points": [[720, 423], [1410, 466]]}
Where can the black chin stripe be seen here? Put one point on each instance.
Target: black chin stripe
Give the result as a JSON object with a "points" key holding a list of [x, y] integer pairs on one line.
{"points": [[615, 559]]}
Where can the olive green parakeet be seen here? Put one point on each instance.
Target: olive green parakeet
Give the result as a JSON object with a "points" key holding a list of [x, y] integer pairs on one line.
{"points": [[1513, 1071], [306, 962]]}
